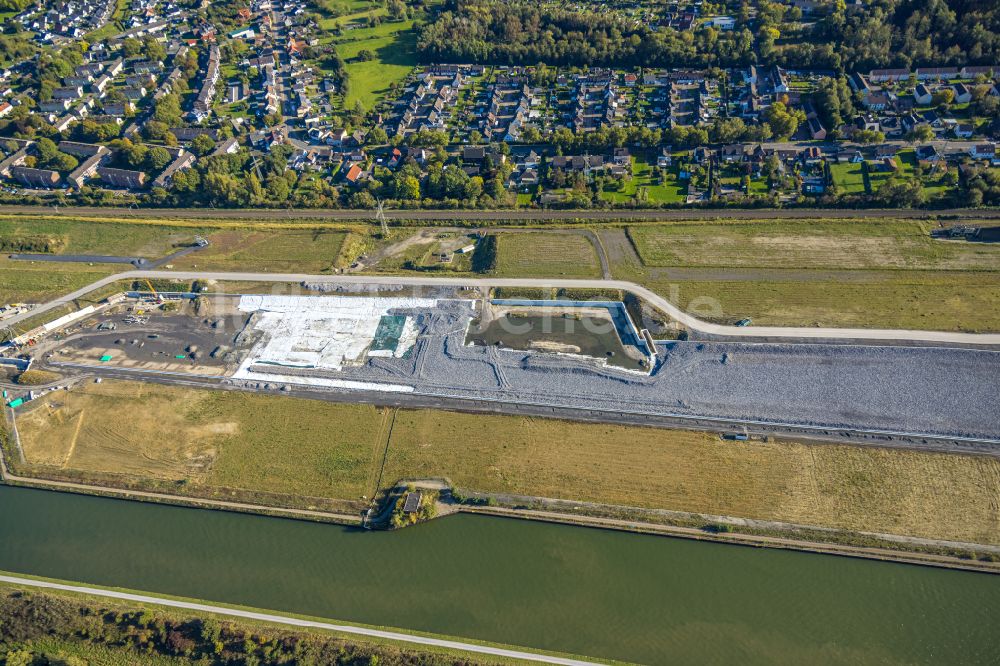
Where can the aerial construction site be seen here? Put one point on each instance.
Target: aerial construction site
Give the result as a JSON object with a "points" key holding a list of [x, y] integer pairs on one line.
{"points": [[466, 347]]}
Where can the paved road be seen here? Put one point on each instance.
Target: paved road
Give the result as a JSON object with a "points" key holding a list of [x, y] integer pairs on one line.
{"points": [[77, 258], [296, 622], [494, 215], [138, 262], [880, 336]]}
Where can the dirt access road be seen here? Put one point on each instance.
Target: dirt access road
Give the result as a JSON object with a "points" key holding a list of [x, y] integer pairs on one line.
{"points": [[493, 215]]}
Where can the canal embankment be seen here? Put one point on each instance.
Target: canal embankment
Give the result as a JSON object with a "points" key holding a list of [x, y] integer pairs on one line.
{"points": [[602, 593]]}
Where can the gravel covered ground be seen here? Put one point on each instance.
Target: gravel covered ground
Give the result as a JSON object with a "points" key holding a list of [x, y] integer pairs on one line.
{"points": [[907, 389]]}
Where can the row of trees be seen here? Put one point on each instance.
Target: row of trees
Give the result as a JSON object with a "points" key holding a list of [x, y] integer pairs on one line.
{"points": [[129, 634]]}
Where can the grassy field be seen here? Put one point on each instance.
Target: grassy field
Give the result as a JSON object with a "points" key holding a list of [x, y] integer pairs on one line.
{"points": [[205, 440], [275, 447], [285, 251], [546, 255], [835, 273], [848, 177], [867, 273], [75, 237], [34, 282], [790, 244], [395, 57], [839, 486], [671, 190], [392, 42], [875, 299], [232, 248]]}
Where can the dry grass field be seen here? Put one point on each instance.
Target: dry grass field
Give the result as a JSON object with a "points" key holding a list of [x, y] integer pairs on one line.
{"points": [[824, 273], [119, 427], [967, 301], [546, 255], [902, 492], [38, 282], [297, 251], [294, 447], [866, 244], [207, 438]]}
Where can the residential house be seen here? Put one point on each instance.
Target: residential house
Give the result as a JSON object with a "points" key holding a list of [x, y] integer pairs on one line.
{"points": [[936, 73], [887, 75], [964, 130], [354, 175], [664, 159], [816, 129], [336, 137], [962, 93], [922, 95], [68, 92], [35, 177], [983, 151], [122, 177], [927, 154], [183, 161]]}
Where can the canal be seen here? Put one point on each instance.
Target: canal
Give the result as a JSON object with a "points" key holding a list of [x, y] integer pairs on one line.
{"points": [[601, 593]]}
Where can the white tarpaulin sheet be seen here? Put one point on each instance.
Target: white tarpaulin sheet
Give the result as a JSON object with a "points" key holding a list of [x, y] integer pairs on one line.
{"points": [[324, 332]]}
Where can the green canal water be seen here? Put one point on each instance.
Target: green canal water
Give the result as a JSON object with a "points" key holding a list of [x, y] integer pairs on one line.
{"points": [[608, 594]]}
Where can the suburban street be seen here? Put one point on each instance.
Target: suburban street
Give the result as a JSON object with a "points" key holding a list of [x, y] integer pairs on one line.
{"points": [[880, 336]]}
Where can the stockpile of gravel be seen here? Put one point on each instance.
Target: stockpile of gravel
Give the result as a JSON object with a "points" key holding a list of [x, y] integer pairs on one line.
{"points": [[908, 389]]}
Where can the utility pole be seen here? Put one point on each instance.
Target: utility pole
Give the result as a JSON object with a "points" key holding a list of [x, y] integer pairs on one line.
{"points": [[380, 216]]}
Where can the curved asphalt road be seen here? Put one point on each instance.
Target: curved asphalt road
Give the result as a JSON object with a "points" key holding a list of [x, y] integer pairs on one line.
{"points": [[881, 336], [296, 622]]}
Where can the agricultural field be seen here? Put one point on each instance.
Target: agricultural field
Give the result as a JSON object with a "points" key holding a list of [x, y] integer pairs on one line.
{"points": [[546, 254], [866, 299], [232, 248], [228, 444]]}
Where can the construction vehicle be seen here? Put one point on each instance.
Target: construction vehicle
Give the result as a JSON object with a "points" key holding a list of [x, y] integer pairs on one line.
{"points": [[159, 299]]}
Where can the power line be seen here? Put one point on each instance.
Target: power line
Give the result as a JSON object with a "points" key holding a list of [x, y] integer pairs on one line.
{"points": [[380, 216]]}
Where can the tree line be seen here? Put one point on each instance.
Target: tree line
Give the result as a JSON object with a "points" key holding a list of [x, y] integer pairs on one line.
{"points": [[880, 33], [516, 33], [141, 635]]}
